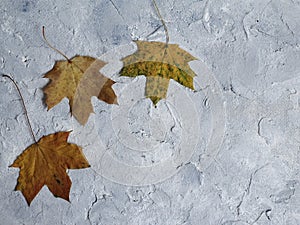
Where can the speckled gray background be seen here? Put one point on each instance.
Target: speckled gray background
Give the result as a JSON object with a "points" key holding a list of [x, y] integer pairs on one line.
{"points": [[251, 47]]}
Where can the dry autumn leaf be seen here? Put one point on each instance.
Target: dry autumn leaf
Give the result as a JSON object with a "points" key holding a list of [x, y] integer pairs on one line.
{"points": [[45, 163], [159, 62], [78, 79]]}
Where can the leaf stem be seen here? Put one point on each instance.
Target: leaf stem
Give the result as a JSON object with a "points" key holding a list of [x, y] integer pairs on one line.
{"points": [[23, 103], [166, 33], [162, 21], [55, 49]]}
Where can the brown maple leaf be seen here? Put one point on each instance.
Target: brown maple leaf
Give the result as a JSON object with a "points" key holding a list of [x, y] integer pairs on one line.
{"points": [[45, 163], [159, 62], [78, 79]]}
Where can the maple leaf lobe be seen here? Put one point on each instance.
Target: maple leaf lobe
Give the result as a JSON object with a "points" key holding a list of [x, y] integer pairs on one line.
{"points": [[45, 163]]}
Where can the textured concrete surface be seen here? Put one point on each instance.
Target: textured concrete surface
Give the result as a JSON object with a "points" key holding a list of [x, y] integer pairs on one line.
{"points": [[244, 117]]}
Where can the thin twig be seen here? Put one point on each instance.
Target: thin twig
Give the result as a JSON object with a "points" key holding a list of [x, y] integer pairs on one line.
{"points": [[23, 103], [55, 49], [163, 22]]}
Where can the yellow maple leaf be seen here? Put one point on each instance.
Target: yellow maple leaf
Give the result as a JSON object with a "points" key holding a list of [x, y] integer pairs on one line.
{"points": [[159, 62], [45, 163], [78, 79]]}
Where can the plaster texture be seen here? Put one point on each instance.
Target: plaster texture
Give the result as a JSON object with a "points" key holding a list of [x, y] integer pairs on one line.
{"points": [[233, 145]]}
